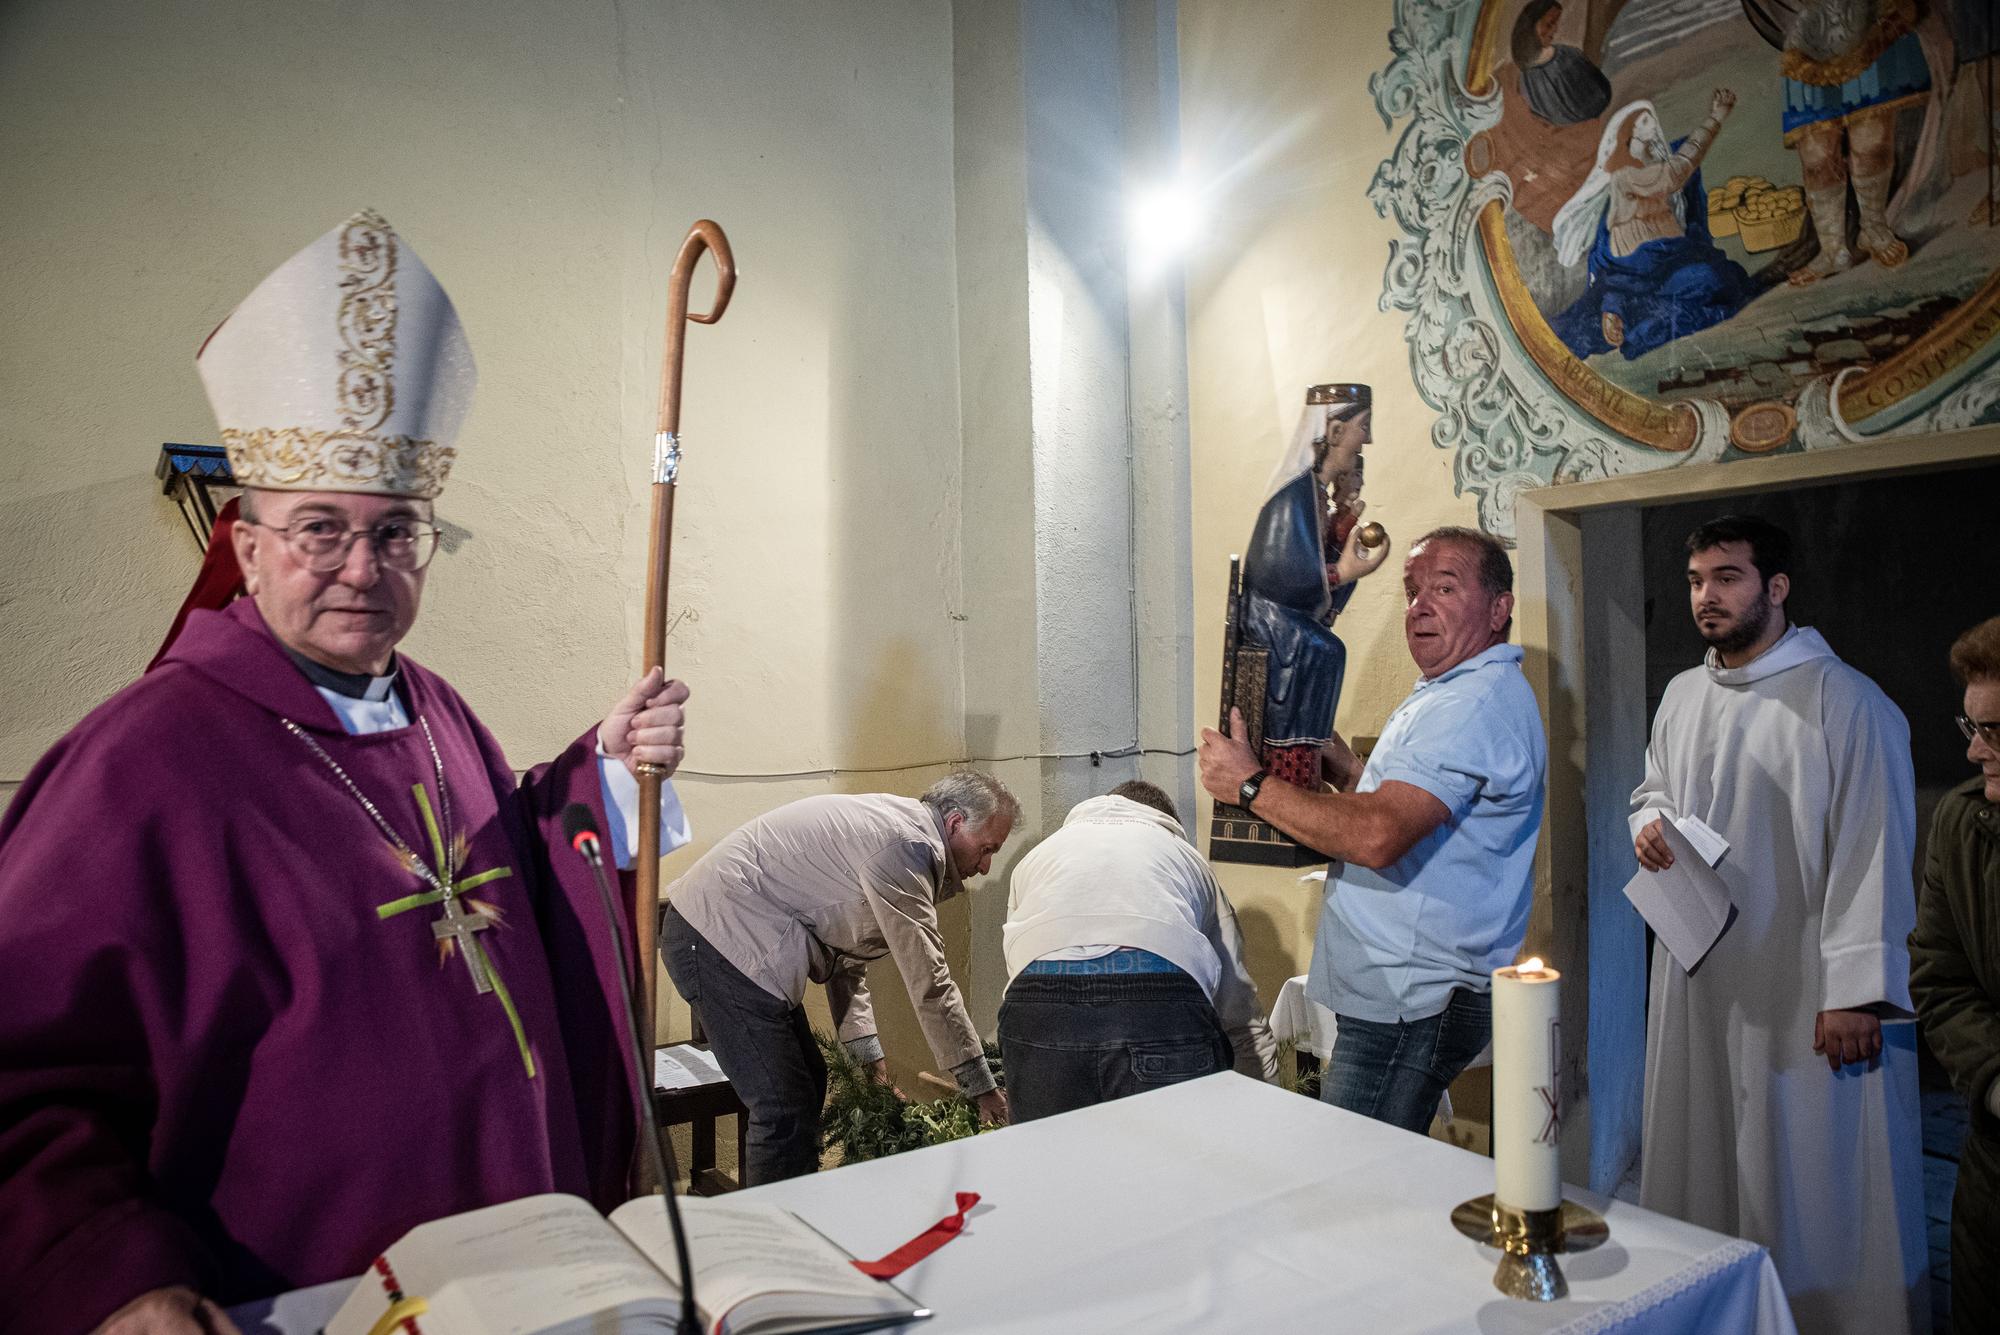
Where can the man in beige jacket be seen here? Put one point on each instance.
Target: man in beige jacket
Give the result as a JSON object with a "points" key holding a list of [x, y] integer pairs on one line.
{"points": [[812, 892]]}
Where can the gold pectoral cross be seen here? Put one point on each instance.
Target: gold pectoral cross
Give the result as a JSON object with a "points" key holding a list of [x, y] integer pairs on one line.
{"points": [[455, 927]]}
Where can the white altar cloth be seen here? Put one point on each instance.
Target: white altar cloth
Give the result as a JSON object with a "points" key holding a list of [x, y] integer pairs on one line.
{"points": [[1310, 1026], [1227, 1205]]}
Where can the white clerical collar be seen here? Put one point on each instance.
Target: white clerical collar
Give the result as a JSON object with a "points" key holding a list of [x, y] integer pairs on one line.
{"points": [[353, 685], [361, 717], [363, 703]]}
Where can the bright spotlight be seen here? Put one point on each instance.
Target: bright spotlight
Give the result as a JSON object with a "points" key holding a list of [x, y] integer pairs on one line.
{"points": [[1165, 219]]}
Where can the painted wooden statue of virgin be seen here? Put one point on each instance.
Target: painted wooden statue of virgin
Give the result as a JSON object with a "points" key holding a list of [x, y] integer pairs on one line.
{"points": [[1283, 664]]}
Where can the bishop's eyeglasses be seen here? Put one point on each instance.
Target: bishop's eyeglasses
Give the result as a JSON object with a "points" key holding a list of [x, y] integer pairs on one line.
{"points": [[1976, 731], [322, 543]]}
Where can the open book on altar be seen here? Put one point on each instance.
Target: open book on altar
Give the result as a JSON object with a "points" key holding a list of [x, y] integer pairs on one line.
{"points": [[551, 1265]]}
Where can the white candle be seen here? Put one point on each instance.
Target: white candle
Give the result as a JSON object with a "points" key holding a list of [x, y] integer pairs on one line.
{"points": [[1527, 1035]]}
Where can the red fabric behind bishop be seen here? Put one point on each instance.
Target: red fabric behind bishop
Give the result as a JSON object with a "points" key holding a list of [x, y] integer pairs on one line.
{"points": [[220, 580]]}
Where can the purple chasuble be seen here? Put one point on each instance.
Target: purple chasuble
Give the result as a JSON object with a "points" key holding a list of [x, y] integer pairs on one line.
{"points": [[219, 1066]]}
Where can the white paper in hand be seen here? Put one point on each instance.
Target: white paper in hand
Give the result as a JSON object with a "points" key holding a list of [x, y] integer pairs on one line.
{"points": [[1687, 905], [1706, 842]]}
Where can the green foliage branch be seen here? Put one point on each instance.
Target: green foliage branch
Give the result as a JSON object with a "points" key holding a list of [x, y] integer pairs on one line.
{"points": [[864, 1119]]}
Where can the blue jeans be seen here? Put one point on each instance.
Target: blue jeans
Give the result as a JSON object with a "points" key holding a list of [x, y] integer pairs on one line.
{"points": [[1396, 1073], [1074, 1040], [762, 1043]]}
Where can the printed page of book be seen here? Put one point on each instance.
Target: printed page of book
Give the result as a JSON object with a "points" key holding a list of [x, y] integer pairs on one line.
{"points": [[514, 1269], [683, 1066], [758, 1264]]}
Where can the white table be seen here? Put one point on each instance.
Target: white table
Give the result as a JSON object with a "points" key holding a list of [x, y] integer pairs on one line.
{"points": [[1310, 1026], [1228, 1205], [1313, 1028]]}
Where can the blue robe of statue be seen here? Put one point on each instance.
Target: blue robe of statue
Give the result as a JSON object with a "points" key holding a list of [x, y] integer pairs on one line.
{"points": [[1286, 605], [1666, 289]]}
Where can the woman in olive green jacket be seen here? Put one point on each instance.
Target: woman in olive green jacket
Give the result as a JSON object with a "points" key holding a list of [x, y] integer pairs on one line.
{"points": [[1955, 977]]}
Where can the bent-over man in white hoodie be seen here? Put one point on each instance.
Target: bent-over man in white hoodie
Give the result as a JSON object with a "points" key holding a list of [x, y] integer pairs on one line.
{"points": [[1125, 968]]}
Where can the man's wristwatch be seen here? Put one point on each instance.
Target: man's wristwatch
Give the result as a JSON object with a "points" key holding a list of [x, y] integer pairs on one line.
{"points": [[1251, 786]]}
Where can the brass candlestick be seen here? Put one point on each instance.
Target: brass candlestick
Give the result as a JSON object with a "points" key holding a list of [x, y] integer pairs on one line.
{"points": [[1529, 1242]]}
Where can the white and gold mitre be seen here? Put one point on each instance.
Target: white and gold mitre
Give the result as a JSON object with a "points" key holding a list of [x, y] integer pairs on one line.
{"points": [[346, 370]]}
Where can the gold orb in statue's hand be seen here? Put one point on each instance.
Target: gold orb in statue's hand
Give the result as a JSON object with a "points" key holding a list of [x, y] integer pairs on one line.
{"points": [[1372, 535]]}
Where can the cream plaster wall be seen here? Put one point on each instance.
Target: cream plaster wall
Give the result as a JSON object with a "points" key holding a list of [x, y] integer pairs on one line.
{"points": [[162, 160], [1076, 465], [1278, 125], [545, 160]]}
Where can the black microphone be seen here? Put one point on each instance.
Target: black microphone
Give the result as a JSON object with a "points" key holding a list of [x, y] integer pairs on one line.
{"points": [[581, 831]]}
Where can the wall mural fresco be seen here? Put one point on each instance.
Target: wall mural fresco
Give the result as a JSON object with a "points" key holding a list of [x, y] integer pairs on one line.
{"points": [[1643, 233]]}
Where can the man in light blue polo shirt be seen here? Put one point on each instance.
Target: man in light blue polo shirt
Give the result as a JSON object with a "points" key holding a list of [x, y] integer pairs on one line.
{"points": [[1433, 840]]}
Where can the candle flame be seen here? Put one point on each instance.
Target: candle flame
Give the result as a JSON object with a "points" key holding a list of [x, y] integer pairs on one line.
{"points": [[1533, 964]]}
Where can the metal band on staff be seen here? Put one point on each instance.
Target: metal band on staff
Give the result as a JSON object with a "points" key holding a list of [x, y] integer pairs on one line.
{"points": [[666, 458]]}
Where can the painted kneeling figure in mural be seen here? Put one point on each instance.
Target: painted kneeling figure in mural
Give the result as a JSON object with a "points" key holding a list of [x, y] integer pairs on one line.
{"points": [[1300, 569], [1641, 217]]}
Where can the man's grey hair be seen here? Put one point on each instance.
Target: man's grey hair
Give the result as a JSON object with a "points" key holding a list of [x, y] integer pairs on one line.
{"points": [[975, 796], [1496, 571]]}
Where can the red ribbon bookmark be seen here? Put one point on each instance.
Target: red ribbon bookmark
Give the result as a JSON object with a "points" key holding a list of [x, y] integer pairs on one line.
{"points": [[926, 1242]]}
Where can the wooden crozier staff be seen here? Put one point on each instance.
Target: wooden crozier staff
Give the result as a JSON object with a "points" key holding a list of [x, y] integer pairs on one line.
{"points": [[703, 236]]}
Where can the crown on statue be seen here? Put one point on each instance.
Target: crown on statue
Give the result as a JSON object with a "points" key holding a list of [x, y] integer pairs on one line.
{"points": [[1358, 395], [345, 370]]}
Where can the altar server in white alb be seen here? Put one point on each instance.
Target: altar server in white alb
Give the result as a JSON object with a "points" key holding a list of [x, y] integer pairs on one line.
{"points": [[1779, 1105]]}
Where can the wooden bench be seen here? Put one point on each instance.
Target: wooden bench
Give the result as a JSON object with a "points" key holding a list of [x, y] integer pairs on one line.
{"points": [[698, 1107]]}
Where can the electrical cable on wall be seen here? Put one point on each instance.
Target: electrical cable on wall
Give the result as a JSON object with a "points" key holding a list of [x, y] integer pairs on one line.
{"points": [[1094, 757]]}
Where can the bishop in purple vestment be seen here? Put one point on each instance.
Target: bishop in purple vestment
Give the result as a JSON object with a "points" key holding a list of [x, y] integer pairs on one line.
{"points": [[293, 961]]}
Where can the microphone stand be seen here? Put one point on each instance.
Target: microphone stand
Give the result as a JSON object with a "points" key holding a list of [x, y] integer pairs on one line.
{"points": [[577, 822]]}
